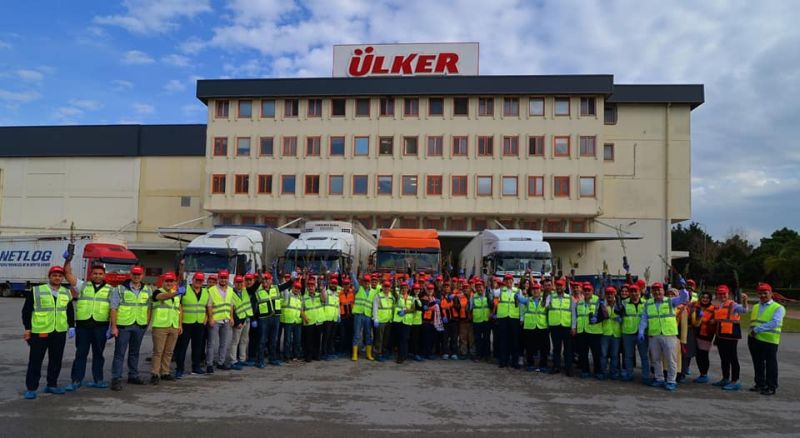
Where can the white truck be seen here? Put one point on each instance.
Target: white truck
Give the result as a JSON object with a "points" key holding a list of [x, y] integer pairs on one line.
{"points": [[332, 246], [25, 259], [238, 249], [500, 252]]}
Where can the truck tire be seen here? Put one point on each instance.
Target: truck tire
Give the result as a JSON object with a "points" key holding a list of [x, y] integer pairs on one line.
{"points": [[5, 291]]}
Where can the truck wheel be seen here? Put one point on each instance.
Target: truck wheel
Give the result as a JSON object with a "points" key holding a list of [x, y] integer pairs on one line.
{"points": [[5, 292]]}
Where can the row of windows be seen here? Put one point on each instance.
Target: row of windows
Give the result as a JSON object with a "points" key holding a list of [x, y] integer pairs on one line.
{"points": [[408, 106], [508, 146], [454, 223], [409, 185]]}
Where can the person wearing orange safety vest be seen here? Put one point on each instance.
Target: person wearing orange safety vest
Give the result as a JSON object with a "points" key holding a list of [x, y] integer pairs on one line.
{"points": [[347, 297], [701, 318], [766, 321], [727, 315]]}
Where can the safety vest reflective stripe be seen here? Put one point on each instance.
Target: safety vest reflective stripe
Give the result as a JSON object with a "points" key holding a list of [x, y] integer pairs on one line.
{"points": [[194, 307], [385, 308], [166, 313], [291, 309], [507, 307], [584, 310], [560, 311], [313, 309], [221, 307], [661, 320], [133, 307], [242, 305], [331, 307], [632, 317], [93, 303], [772, 336], [535, 315], [480, 309], [612, 327], [49, 313]]}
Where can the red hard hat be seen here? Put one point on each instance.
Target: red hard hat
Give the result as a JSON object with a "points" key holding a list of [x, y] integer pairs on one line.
{"points": [[311, 280], [416, 286], [199, 276], [429, 286], [224, 274], [367, 277], [587, 285], [346, 280], [169, 276], [238, 279], [212, 276], [387, 283], [764, 287], [137, 270], [657, 285], [267, 276], [508, 276], [611, 290], [55, 270], [723, 289], [633, 287], [537, 286], [439, 278], [641, 283], [334, 281], [250, 276], [297, 285], [691, 282]]}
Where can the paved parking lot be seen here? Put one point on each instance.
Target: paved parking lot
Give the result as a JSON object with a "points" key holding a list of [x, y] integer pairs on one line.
{"points": [[342, 398]]}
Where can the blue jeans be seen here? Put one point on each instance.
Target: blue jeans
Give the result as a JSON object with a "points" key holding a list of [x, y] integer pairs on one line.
{"points": [[362, 325], [95, 338], [609, 347], [291, 341], [129, 341], [269, 327], [629, 342]]}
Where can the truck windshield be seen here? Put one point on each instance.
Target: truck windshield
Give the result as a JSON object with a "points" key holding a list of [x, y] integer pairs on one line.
{"points": [[117, 268], [208, 263], [400, 261], [523, 261], [314, 263]]}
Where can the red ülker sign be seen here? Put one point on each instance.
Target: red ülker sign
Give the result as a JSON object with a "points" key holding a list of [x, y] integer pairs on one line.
{"points": [[405, 60]]}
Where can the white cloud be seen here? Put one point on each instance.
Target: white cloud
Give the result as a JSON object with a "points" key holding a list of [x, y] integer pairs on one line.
{"points": [[143, 108], [5, 45], [67, 114], [174, 85], [121, 84], [30, 75], [176, 60], [18, 96], [192, 45], [136, 57], [154, 16], [86, 104]]}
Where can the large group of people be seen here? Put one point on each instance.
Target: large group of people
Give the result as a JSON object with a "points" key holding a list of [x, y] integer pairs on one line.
{"points": [[546, 325]]}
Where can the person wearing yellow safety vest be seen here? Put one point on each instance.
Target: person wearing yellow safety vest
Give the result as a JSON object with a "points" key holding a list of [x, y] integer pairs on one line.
{"points": [[415, 335], [535, 328], [194, 304], [766, 321], [220, 323], [92, 311], [268, 299], [559, 318], [331, 318], [362, 314], [632, 309], [403, 319], [313, 316], [291, 309], [507, 314], [612, 336], [382, 314], [242, 316], [166, 327], [130, 315], [480, 308], [660, 325], [587, 329], [48, 318]]}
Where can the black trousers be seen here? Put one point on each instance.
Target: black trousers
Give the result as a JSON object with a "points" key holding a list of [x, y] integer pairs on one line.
{"points": [[311, 342], [328, 337], [703, 362], [508, 341], [729, 358], [414, 346], [537, 341], [53, 346], [345, 335], [585, 342], [562, 341], [254, 342], [194, 334], [765, 362], [428, 338], [403, 332], [481, 333], [450, 345]]}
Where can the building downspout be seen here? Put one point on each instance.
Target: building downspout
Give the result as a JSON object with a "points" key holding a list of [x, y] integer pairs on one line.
{"points": [[667, 220]]}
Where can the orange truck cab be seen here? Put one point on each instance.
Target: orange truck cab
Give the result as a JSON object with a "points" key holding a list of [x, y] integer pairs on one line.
{"points": [[402, 248]]}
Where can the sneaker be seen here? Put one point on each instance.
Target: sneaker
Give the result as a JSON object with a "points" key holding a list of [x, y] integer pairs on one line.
{"points": [[116, 384], [732, 386], [154, 379], [209, 369], [224, 367], [135, 381], [680, 378], [671, 387], [30, 395], [768, 391], [98, 385], [198, 371], [445, 357], [530, 369], [657, 383], [72, 386], [417, 358], [54, 390], [756, 388], [454, 357], [237, 366], [275, 363], [703, 378], [249, 363], [167, 377], [721, 383], [688, 372], [178, 375]]}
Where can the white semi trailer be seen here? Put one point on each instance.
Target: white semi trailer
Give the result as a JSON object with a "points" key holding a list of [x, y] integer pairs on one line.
{"points": [[330, 246], [500, 252]]}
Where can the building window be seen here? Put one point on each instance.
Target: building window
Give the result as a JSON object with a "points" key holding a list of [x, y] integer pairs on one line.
{"points": [[535, 186], [432, 223], [433, 185], [386, 146], [218, 184], [270, 221], [411, 106], [561, 146], [338, 107], [562, 106], [610, 113], [387, 106], [484, 186], [588, 106], [266, 147], [478, 224], [536, 106], [511, 146], [459, 146], [457, 224], [245, 109], [243, 146], [242, 184], [289, 146], [226, 220], [287, 184], [486, 106], [264, 184], [291, 107], [385, 221], [365, 221], [186, 201], [435, 146], [337, 146], [531, 224], [360, 184], [435, 106], [561, 186], [608, 152], [588, 146], [409, 222], [410, 146], [577, 226], [312, 185], [587, 186], [461, 106], [536, 146], [220, 146], [362, 107], [510, 223], [511, 106], [410, 185], [268, 109], [458, 185], [384, 184], [335, 184], [362, 145], [247, 220], [510, 186], [554, 225], [313, 146], [314, 107], [485, 146], [221, 109]]}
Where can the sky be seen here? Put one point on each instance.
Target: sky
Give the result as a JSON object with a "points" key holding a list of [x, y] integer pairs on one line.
{"points": [[136, 61]]}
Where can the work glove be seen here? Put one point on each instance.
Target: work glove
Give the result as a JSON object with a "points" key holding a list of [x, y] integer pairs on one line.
{"points": [[601, 301], [700, 313], [593, 319], [444, 320], [108, 333], [182, 291], [425, 308], [682, 282], [640, 338], [494, 316], [71, 332], [625, 264], [375, 324], [402, 313], [450, 297], [618, 319], [253, 324]]}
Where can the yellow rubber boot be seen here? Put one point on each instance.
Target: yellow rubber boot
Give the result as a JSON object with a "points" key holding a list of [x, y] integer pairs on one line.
{"points": [[369, 353], [355, 352]]}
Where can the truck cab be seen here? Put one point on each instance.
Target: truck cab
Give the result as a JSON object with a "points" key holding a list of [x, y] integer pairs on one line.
{"points": [[329, 246], [237, 250], [501, 252], [402, 249]]}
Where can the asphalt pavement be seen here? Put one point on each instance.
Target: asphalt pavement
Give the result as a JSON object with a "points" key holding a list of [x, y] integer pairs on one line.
{"points": [[342, 398]]}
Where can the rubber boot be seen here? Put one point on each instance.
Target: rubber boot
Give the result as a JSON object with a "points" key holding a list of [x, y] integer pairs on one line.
{"points": [[369, 353], [355, 353]]}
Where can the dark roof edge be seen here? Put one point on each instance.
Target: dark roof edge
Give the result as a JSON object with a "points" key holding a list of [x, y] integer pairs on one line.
{"points": [[692, 94]]}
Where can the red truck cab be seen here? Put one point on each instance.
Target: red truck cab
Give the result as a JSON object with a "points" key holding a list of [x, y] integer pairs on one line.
{"points": [[117, 260]]}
